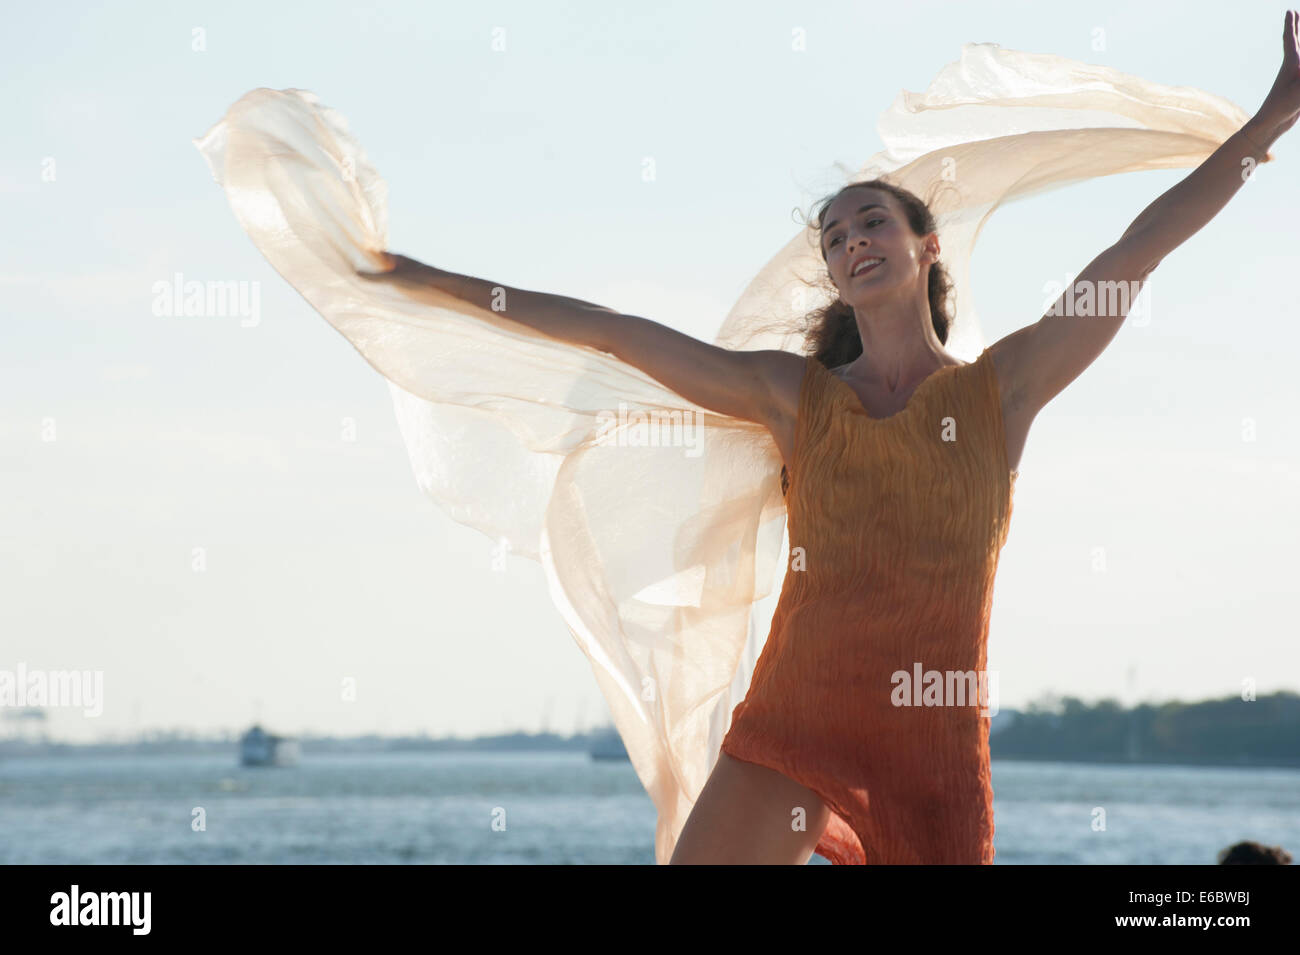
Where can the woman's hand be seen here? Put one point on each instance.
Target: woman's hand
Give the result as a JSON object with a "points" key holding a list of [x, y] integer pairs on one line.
{"points": [[1282, 105], [400, 270]]}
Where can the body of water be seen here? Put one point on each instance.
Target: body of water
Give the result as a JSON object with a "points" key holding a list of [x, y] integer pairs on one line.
{"points": [[561, 808]]}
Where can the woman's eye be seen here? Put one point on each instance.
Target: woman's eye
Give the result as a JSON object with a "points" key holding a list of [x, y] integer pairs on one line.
{"points": [[832, 242]]}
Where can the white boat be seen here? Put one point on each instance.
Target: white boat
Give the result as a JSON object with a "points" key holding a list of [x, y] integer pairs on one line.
{"points": [[260, 748]]}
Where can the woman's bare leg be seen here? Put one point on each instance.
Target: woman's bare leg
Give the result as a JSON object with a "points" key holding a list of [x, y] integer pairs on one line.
{"points": [[749, 815]]}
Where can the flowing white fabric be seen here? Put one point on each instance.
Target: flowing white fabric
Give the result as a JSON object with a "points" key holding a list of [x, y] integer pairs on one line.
{"points": [[658, 535]]}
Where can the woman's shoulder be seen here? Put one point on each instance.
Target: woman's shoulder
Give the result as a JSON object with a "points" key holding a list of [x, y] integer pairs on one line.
{"points": [[784, 373]]}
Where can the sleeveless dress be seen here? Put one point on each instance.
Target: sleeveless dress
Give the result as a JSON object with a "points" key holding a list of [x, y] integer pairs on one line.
{"points": [[896, 525]]}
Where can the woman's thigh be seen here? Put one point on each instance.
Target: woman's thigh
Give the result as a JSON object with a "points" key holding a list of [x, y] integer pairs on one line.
{"points": [[751, 815]]}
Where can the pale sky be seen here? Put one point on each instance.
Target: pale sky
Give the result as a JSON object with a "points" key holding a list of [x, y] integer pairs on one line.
{"points": [[127, 440]]}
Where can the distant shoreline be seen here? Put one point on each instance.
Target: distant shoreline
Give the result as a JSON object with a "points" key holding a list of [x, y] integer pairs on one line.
{"points": [[524, 744], [1190, 762]]}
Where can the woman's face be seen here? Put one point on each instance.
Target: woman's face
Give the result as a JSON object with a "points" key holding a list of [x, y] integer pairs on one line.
{"points": [[865, 225]]}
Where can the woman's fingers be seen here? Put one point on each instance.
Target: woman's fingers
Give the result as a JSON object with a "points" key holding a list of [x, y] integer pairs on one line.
{"points": [[387, 260], [400, 270]]}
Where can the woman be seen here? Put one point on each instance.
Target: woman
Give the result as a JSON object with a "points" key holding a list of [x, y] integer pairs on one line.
{"points": [[899, 460]]}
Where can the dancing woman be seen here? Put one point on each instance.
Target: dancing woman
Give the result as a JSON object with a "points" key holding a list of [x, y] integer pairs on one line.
{"points": [[899, 459], [900, 463]]}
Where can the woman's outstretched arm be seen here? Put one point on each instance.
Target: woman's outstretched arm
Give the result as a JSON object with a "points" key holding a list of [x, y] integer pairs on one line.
{"points": [[751, 385], [1036, 362]]}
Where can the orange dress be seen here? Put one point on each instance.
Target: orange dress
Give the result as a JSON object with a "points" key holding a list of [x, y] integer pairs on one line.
{"points": [[896, 525]]}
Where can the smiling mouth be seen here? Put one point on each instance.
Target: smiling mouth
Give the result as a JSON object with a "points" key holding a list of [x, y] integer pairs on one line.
{"points": [[869, 268]]}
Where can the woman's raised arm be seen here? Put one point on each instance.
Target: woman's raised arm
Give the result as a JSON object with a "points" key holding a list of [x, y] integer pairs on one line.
{"points": [[759, 386], [1037, 362]]}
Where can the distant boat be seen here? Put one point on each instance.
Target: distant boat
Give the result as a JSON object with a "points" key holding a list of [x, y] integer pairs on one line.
{"points": [[260, 748], [607, 744]]}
